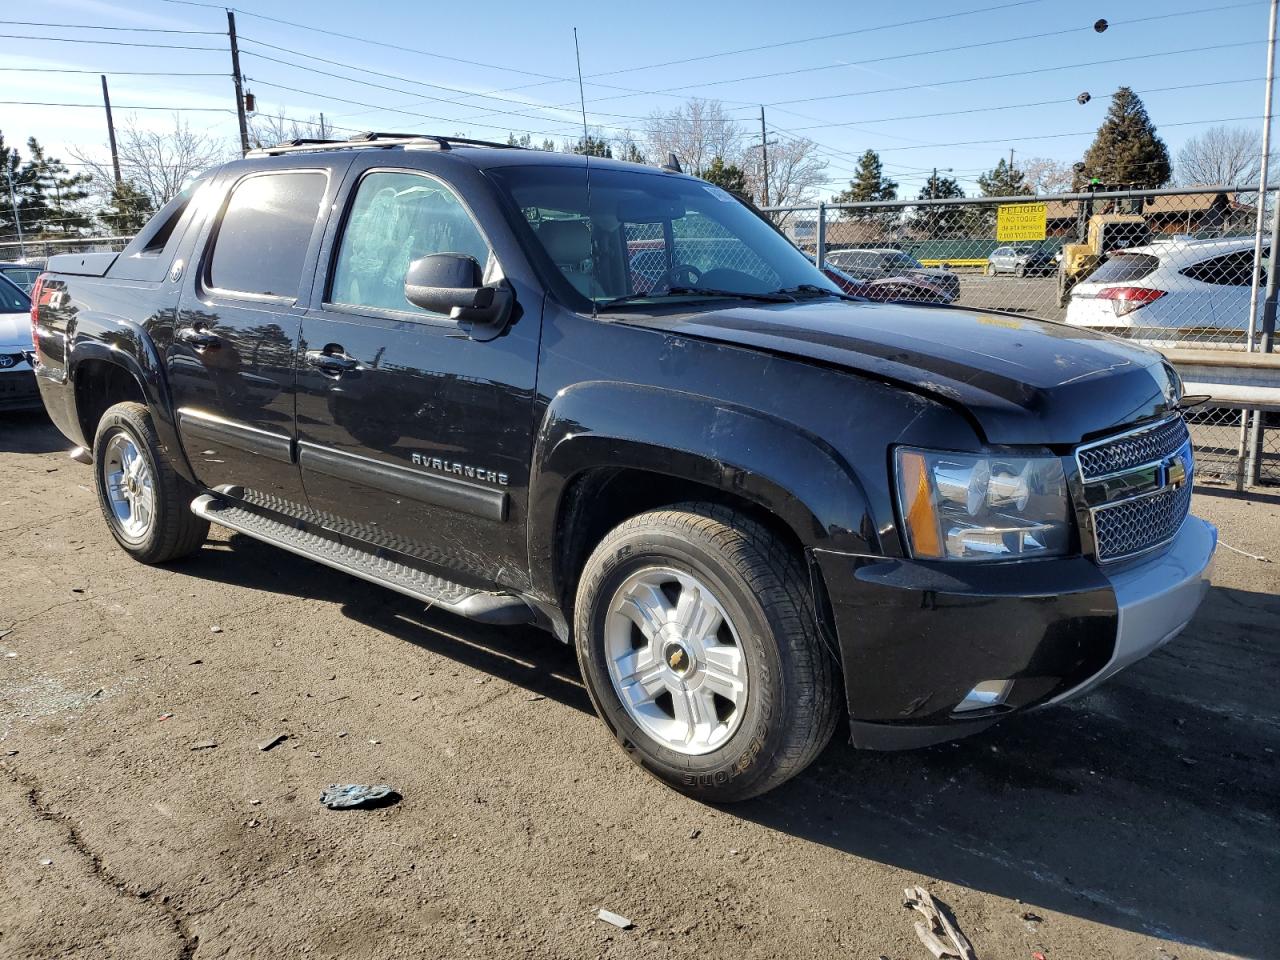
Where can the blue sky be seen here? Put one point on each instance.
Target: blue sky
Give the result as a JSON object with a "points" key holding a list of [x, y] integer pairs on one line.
{"points": [[836, 90]]}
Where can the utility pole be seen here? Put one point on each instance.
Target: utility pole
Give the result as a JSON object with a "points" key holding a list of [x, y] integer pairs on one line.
{"points": [[111, 130], [1011, 159], [933, 185], [17, 221], [236, 78], [764, 159]]}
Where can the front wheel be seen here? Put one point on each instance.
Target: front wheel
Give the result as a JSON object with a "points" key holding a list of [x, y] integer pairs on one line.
{"points": [[697, 641], [145, 502]]}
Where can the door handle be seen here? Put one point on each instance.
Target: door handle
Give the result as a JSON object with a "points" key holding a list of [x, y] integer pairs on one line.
{"points": [[199, 337], [331, 361]]}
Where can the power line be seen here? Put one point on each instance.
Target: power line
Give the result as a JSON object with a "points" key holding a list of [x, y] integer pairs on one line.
{"points": [[403, 79], [981, 44], [95, 26], [98, 106], [111, 73], [388, 109], [111, 43], [1017, 73], [378, 43]]}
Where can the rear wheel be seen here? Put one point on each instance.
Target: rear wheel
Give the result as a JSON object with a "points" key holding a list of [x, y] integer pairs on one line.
{"points": [[145, 502], [696, 637]]}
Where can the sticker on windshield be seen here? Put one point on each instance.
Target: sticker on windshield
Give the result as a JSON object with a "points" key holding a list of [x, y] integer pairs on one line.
{"points": [[719, 194]]}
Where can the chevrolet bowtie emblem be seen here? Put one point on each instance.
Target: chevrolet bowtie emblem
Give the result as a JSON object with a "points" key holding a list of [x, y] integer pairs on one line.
{"points": [[676, 660], [1177, 472]]}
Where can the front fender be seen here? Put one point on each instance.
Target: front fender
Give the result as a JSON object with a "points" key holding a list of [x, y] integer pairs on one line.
{"points": [[792, 473]]}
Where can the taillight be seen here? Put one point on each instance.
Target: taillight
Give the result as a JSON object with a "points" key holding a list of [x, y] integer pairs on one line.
{"points": [[36, 291], [1128, 299]]}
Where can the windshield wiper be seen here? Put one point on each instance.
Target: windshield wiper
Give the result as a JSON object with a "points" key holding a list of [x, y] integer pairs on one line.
{"points": [[778, 296], [812, 289]]}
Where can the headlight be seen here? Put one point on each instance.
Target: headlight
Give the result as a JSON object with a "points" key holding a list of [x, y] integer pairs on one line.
{"points": [[958, 506]]}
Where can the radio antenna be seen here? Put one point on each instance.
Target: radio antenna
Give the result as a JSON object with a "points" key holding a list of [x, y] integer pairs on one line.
{"points": [[586, 160], [582, 99]]}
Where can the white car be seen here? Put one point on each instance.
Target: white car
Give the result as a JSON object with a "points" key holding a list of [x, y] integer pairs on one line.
{"points": [[17, 379], [1171, 291]]}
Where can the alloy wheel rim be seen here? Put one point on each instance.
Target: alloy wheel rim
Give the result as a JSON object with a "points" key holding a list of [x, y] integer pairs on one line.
{"points": [[129, 485], [675, 660]]}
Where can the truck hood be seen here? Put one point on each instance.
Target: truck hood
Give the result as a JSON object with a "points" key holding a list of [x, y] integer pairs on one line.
{"points": [[15, 332], [1022, 381]]}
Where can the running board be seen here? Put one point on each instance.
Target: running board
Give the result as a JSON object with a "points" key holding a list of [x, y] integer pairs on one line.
{"points": [[498, 608]]}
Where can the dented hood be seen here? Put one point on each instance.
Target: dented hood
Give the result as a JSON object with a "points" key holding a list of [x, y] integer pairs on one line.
{"points": [[1023, 381]]}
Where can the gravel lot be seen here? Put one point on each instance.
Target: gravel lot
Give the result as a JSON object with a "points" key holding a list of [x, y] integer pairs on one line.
{"points": [[1140, 822]]}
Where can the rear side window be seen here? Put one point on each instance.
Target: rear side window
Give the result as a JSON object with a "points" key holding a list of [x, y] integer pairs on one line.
{"points": [[1230, 270], [266, 228], [1124, 268]]}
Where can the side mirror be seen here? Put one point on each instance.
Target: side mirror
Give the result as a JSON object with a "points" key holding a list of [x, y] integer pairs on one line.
{"points": [[452, 284]]}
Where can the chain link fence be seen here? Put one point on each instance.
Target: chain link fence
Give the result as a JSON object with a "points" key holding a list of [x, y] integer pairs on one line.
{"points": [[1178, 270], [39, 250]]}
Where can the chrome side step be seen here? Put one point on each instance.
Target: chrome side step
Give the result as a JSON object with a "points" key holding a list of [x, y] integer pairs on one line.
{"points": [[497, 608]]}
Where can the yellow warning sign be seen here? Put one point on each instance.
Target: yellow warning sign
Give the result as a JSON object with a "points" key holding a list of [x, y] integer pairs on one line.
{"points": [[1020, 221]]}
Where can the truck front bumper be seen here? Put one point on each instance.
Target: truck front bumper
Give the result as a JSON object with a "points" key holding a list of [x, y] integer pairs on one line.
{"points": [[934, 651]]}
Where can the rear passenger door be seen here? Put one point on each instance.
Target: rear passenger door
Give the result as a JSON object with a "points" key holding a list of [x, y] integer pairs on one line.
{"points": [[411, 436], [231, 360]]}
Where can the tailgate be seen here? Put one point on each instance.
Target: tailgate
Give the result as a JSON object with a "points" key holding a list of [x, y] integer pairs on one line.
{"points": [[82, 264]]}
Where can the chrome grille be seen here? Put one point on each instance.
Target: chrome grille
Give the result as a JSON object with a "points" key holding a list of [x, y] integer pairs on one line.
{"points": [[1137, 486], [1133, 526], [1132, 449]]}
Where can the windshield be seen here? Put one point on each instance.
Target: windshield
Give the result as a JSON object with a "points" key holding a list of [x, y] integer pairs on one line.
{"points": [[651, 237], [902, 261]]}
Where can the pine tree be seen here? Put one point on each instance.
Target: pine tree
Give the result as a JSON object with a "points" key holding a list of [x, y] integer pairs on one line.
{"points": [[127, 211], [1126, 152], [939, 221], [592, 146], [868, 184], [727, 176], [13, 176], [1004, 180], [55, 195]]}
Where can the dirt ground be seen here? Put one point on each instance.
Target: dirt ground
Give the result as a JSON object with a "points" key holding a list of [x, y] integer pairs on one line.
{"points": [[1140, 822]]}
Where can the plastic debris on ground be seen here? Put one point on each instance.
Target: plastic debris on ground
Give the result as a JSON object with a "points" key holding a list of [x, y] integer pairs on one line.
{"points": [[278, 739], [940, 936], [346, 796], [619, 921]]}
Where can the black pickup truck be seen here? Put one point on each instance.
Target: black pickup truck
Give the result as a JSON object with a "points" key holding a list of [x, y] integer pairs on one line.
{"points": [[613, 401]]}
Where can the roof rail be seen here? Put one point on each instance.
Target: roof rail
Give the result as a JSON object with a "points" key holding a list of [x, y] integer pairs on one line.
{"points": [[377, 140]]}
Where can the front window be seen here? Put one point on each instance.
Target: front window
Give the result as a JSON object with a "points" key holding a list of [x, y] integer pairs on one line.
{"points": [[643, 237], [395, 219]]}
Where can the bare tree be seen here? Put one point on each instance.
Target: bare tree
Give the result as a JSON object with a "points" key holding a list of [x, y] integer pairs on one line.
{"points": [[1043, 175], [158, 163], [795, 172], [696, 132], [268, 129], [1221, 155]]}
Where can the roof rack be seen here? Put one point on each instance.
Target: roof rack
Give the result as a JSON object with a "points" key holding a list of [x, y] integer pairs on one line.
{"points": [[377, 140]]}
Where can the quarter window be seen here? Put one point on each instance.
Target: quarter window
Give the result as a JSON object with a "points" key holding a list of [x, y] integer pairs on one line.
{"points": [[264, 234], [1231, 270], [397, 218]]}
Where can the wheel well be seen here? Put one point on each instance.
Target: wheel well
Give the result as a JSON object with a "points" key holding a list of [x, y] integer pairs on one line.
{"points": [[598, 500], [99, 385]]}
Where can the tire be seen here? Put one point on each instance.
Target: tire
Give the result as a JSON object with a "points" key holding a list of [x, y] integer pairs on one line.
{"points": [[164, 528], [738, 571], [1020, 271], [989, 270]]}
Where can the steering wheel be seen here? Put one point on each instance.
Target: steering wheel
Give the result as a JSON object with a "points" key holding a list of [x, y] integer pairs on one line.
{"points": [[679, 273]]}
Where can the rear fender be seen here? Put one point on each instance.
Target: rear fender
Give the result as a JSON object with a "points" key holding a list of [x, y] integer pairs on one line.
{"points": [[124, 343]]}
